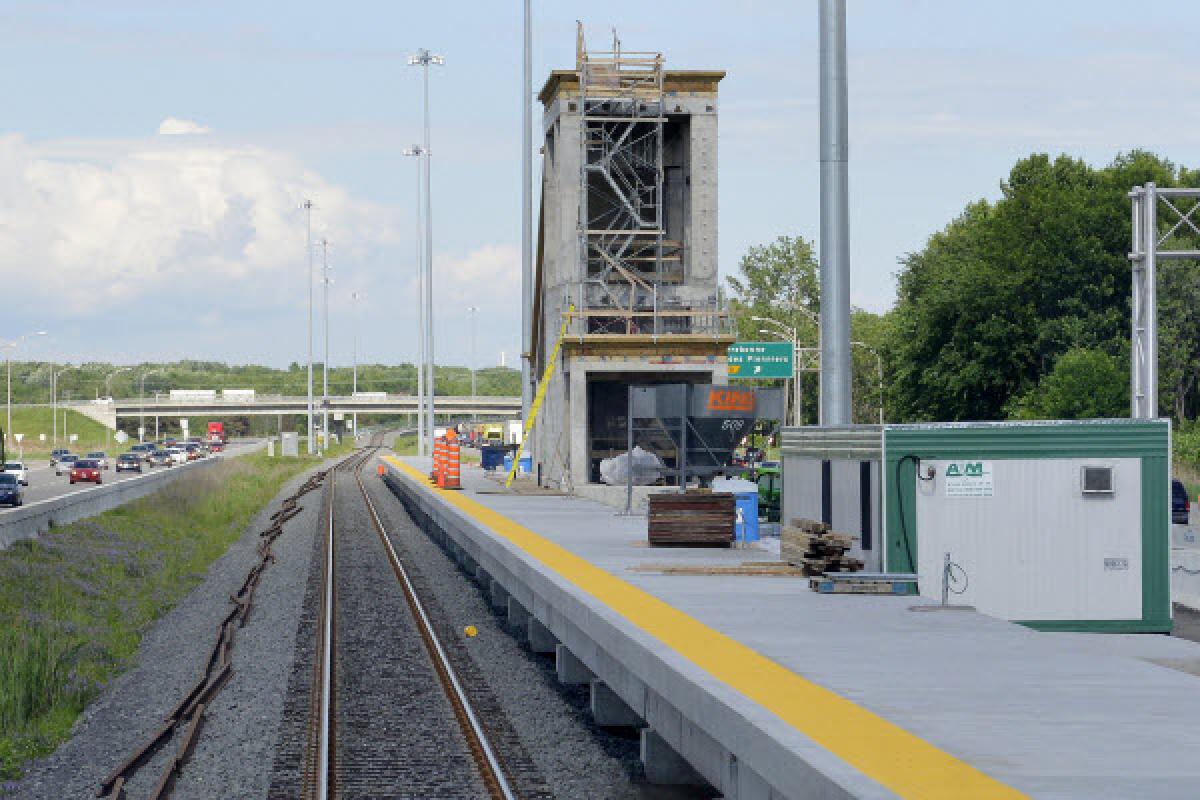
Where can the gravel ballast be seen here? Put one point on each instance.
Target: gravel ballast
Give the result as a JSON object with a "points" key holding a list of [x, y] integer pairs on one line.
{"points": [[574, 758], [238, 735]]}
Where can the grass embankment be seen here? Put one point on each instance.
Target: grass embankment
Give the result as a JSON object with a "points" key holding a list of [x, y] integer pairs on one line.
{"points": [[1186, 456], [74, 603], [34, 421]]}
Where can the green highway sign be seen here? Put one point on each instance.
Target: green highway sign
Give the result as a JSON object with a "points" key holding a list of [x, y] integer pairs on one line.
{"points": [[760, 360]]}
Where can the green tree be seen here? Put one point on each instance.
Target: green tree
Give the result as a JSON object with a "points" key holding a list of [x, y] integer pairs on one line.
{"points": [[780, 281], [1084, 384], [992, 302]]}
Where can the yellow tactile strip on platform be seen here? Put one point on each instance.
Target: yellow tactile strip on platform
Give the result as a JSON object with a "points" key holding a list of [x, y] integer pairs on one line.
{"points": [[903, 762]]}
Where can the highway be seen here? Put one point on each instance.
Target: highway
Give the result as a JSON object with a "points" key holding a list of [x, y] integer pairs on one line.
{"points": [[44, 485]]}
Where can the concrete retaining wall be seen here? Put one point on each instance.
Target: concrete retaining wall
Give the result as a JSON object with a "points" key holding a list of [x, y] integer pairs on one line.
{"points": [[33, 519]]}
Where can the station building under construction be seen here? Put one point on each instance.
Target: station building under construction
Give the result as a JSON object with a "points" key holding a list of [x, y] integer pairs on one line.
{"points": [[626, 260]]}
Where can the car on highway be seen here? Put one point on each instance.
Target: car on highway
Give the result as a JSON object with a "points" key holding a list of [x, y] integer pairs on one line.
{"points": [[129, 462], [19, 469], [161, 458], [56, 454], [64, 462], [193, 452], [86, 470], [179, 454], [1181, 506], [100, 457], [11, 492]]}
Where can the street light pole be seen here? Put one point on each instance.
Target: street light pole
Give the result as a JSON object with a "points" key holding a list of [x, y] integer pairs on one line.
{"points": [[10, 347], [325, 361], [786, 331], [142, 411], [307, 206], [879, 371], [424, 59], [108, 394], [354, 352], [416, 150], [473, 310]]}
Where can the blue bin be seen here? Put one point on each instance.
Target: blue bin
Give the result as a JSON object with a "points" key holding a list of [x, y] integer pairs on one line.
{"points": [[525, 466], [745, 526], [491, 456]]}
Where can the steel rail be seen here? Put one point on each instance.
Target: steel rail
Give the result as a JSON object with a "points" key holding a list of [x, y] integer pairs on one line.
{"points": [[491, 770]]}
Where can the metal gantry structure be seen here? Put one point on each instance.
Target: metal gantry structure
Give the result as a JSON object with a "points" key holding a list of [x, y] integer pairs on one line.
{"points": [[1156, 237], [622, 243]]}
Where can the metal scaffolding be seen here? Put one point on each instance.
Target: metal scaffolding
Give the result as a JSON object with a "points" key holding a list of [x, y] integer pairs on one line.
{"points": [[1155, 238], [622, 244]]}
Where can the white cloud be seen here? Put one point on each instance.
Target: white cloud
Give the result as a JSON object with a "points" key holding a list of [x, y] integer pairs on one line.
{"points": [[86, 223], [177, 127], [489, 277]]}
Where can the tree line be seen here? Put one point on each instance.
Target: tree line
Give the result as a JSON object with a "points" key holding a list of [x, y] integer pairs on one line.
{"points": [[1018, 309]]}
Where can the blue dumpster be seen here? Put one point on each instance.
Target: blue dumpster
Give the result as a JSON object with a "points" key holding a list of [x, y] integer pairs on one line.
{"points": [[745, 528], [491, 456]]}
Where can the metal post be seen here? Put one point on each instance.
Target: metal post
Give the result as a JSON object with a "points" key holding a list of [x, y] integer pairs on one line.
{"points": [[527, 215], [325, 360], [835, 229], [53, 406], [416, 151], [797, 375], [1150, 299], [354, 355], [423, 59], [8, 427], [473, 311], [629, 451], [1135, 306], [308, 247]]}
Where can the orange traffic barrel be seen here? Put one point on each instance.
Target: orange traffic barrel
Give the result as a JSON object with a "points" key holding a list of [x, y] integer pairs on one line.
{"points": [[380, 470], [451, 466]]}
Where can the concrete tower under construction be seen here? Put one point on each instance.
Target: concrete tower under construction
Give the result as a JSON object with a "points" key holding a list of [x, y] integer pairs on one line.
{"points": [[626, 260]]}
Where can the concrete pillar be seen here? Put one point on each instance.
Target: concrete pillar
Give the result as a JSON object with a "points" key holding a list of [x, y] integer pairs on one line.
{"points": [[482, 577], [663, 765], [498, 596], [518, 617], [609, 710], [571, 671], [541, 640]]}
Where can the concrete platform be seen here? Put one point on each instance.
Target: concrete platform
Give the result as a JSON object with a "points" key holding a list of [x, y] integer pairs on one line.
{"points": [[770, 690]]}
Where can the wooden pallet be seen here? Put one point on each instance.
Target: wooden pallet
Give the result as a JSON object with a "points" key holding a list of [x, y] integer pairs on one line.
{"points": [[694, 518]]}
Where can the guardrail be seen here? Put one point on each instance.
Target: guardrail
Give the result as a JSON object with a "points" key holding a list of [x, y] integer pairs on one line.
{"points": [[33, 519]]}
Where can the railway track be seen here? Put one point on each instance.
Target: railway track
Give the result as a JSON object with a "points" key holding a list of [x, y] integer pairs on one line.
{"points": [[388, 713]]}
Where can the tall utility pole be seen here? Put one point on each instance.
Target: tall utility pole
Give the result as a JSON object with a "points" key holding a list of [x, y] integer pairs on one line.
{"points": [[473, 310], [423, 59], [835, 227], [307, 206], [354, 352], [415, 151], [526, 216], [325, 361], [10, 347]]}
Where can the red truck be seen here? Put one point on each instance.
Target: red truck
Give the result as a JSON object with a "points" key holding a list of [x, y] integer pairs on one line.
{"points": [[216, 436]]}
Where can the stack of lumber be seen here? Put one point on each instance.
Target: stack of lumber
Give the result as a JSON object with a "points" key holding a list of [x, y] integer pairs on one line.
{"points": [[812, 546], [696, 518]]}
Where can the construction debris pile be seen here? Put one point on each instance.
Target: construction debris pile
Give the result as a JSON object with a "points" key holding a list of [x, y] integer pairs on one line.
{"points": [[812, 546]]}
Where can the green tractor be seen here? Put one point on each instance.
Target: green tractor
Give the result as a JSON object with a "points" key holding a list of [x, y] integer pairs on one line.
{"points": [[770, 490]]}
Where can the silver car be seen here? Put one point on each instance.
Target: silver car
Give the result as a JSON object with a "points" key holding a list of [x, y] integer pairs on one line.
{"points": [[19, 469]]}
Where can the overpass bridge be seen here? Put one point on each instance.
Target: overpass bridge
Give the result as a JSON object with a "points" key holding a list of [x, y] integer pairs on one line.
{"points": [[107, 412]]}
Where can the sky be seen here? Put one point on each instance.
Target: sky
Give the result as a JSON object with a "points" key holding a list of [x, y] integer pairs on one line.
{"points": [[154, 153]]}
